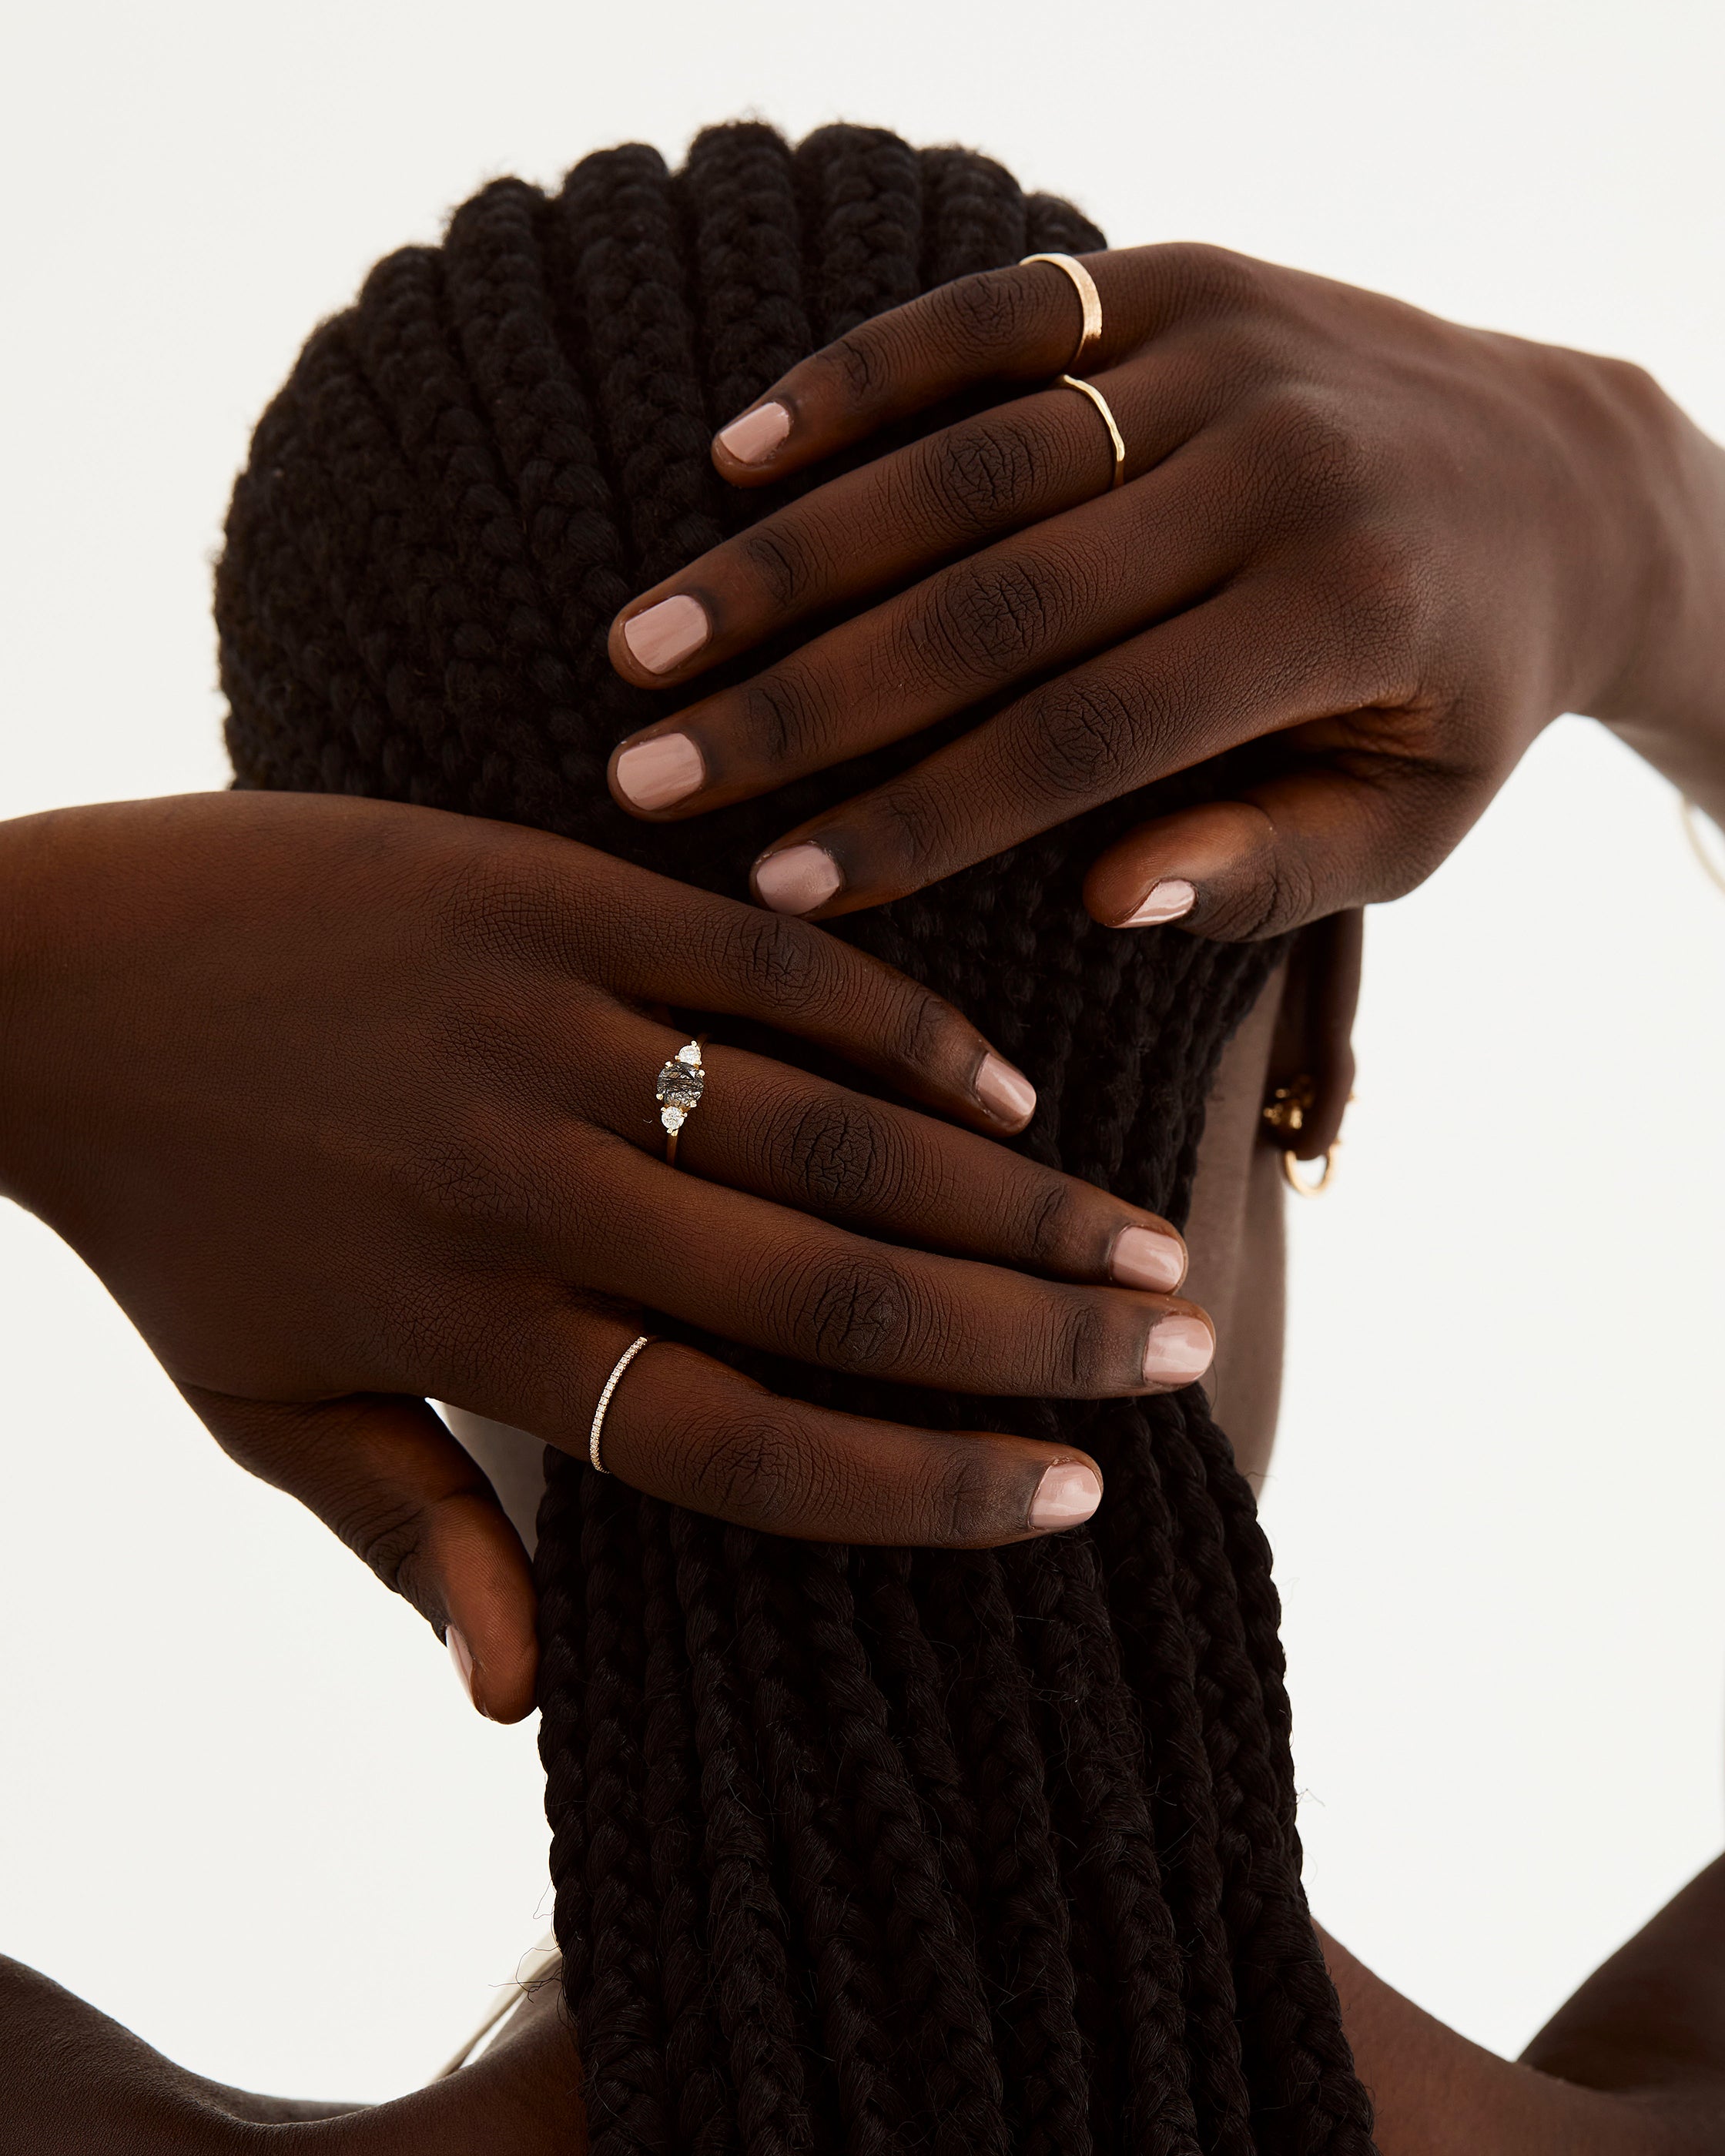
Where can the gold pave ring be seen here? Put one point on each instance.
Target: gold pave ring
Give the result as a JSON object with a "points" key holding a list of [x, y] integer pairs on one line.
{"points": [[1089, 389], [612, 1383], [1089, 298], [681, 1083]]}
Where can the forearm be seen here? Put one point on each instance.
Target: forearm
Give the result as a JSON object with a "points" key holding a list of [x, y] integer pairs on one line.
{"points": [[1667, 700], [1634, 2065]]}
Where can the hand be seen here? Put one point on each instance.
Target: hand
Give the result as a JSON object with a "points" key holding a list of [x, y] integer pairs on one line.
{"points": [[351, 1104], [1363, 554]]}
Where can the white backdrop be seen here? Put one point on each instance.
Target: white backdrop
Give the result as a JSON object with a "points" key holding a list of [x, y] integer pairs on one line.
{"points": [[242, 1806]]}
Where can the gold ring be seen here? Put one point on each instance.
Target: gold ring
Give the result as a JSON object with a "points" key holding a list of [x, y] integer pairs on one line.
{"points": [[1311, 1189], [1089, 298], [1089, 389], [618, 1367], [681, 1083]]}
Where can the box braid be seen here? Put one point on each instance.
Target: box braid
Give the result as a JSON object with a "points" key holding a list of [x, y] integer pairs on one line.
{"points": [[984, 1853]]}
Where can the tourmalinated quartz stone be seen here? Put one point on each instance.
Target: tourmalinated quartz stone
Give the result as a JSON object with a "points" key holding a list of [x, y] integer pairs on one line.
{"points": [[680, 1085]]}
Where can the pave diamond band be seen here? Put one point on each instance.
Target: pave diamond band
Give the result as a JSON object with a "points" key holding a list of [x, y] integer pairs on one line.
{"points": [[681, 1083], [621, 1364]]}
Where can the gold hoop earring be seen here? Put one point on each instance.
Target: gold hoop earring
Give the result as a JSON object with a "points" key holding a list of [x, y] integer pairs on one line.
{"points": [[1290, 1177]]}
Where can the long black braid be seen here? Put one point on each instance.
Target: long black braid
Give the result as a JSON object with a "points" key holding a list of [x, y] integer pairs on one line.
{"points": [[869, 1850]]}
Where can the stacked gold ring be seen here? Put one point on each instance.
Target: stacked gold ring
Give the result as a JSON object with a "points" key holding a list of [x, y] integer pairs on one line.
{"points": [[1090, 301], [1089, 336]]}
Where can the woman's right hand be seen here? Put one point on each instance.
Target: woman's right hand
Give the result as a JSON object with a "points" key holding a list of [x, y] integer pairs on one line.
{"points": [[350, 1105]]}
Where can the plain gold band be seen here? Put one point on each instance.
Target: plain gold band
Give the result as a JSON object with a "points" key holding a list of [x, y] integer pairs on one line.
{"points": [[1089, 298], [612, 1383], [1089, 389], [1291, 1176]]}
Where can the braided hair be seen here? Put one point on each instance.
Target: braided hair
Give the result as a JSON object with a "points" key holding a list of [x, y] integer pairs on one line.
{"points": [[871, 1851]]}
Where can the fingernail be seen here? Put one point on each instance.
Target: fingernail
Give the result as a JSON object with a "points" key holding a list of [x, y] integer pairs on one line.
{"points": [[1006, 1093], [666, 635], [1144, 1257], [461, 1655], [756, 434], [654, 774], [1179, 1351], [798, 880], [1166, 901], [1068, 1492]]}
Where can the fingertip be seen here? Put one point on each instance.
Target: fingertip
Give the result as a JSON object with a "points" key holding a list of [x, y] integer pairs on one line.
{"points": [[1066, 1494], [1006, 1095], [753, 438]]}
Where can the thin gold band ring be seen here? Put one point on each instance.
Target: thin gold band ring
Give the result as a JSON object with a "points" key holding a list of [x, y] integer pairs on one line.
{"points": [[1089, 389], [1090, 299]]}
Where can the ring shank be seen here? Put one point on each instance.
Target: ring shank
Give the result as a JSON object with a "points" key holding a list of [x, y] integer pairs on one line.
{"points": [[1090, 301]]}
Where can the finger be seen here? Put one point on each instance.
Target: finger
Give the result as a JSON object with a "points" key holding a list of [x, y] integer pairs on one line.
{"points": [[1293, 849], [998, 472], [769, 1278], [1038, 600], [1017, 324], [686, 1428], [889, 1173], [663, 943], [1249, 662], [387, 1477]]}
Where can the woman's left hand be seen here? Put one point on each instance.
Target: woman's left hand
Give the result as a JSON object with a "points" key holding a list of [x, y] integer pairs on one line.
{"points": [[1383, 549]]}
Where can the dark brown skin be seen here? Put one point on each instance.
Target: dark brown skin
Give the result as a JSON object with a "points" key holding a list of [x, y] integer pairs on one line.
{"points": [[1379, 550], [350, 1104]]}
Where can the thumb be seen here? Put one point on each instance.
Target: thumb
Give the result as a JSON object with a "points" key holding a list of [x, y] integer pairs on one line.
{"points": [[386, 1476], [1287, 852]]}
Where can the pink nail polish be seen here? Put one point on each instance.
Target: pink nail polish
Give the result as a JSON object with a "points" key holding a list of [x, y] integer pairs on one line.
{"points": [[1068, 1492], [659, 772], [1166, 901], [1179, 1351], [1006, 1093], [668, 634], [461, 1655], [798, 880], [753, 438], [1144, 1257]]}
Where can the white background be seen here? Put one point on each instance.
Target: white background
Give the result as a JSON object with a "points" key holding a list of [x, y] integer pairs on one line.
{"points": [[242, 1806]]}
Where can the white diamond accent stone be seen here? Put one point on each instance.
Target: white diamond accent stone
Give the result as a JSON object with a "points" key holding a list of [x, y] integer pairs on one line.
{"points": [[672, 1118]]}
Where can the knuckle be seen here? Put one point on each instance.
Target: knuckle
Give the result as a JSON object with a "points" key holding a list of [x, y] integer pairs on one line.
{"points": [[970, 1502], [1084, 1345], [1197, 276], [778, 958], [979, 474], [1317, 463], [843, 1154], [1051, 1228], [1089, 741], [986, 619], [392, 1540], [1280, 897], [855, 1314], [750, 1468], [912, 834], [781, 716], [990, 315], [781, 561], [859, 364]]}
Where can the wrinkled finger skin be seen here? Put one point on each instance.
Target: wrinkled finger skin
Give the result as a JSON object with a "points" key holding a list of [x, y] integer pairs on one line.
{"points": [[351, 1106], [1362, 557]]}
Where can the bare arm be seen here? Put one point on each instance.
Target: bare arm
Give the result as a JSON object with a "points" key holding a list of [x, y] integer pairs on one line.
{"points": [[1633, 2065]]}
